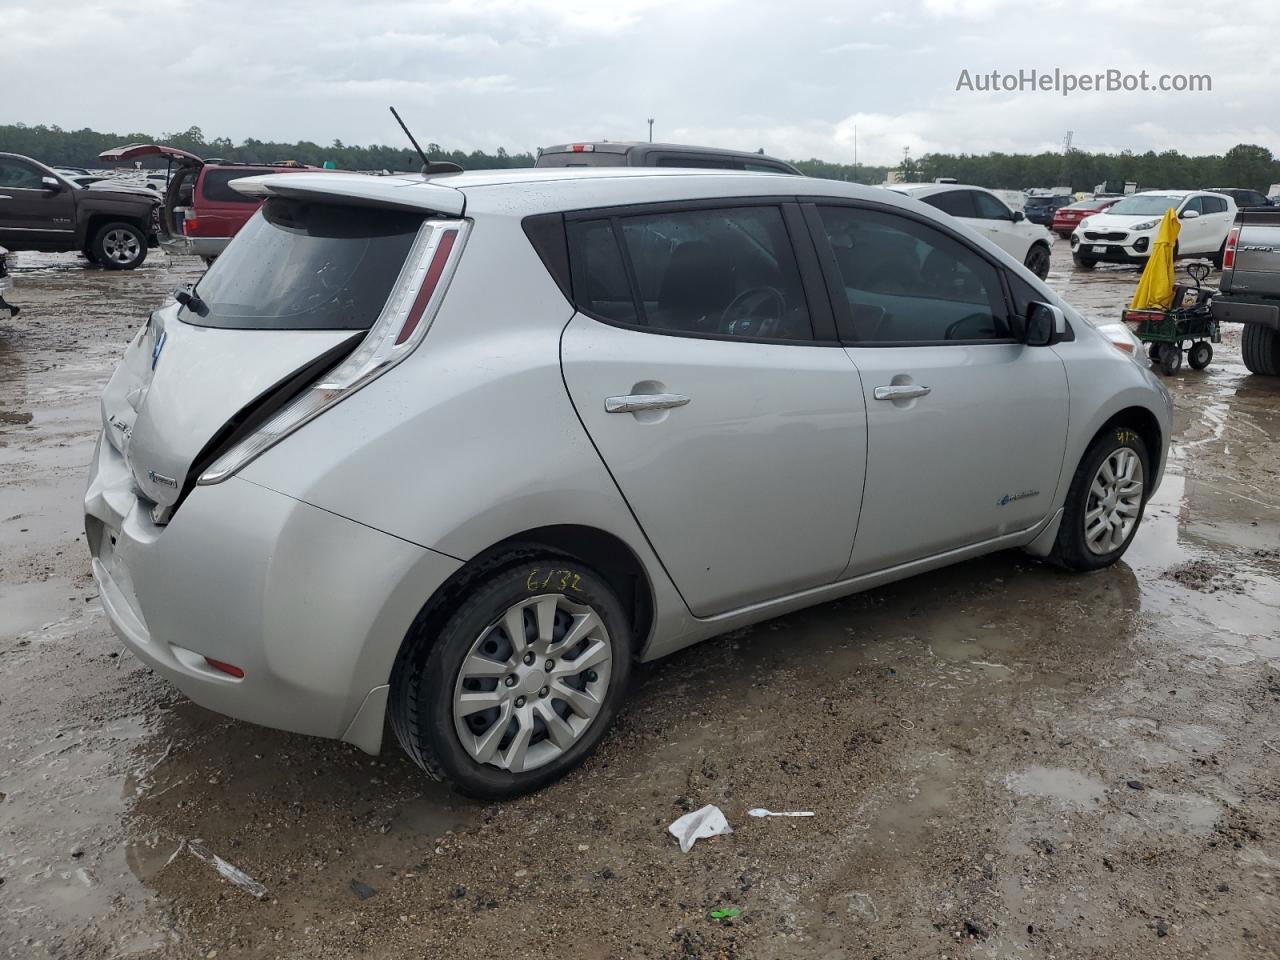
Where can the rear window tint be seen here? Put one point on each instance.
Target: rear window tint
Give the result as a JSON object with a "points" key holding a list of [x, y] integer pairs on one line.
{"points": [[600, 283], [307, 266], [217, 188]]}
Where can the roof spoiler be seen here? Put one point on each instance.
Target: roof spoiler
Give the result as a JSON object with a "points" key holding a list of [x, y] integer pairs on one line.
{"points": [[356, 189]]}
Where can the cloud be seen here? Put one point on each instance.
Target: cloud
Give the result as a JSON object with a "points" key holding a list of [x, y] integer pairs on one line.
{"points": [[748, 73]]}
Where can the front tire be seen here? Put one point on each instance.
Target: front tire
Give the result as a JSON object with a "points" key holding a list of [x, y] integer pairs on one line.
{"points": [[1105, 503], [1200, 354], [519, 683], [1038, 260], [1083, 263], [119, 246]]}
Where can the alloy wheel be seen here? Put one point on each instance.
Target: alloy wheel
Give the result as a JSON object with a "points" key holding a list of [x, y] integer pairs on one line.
{"points": [[1115, 500], [120, 246], [532, 683]]}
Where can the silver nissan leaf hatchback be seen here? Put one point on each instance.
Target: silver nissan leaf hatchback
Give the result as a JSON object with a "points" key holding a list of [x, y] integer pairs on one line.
{"points": [[459, 449]]}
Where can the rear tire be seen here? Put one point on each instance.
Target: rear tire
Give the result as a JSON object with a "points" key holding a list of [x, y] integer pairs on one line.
{"points": [[1038, 260], [119, 246], [1261, 349], [1083, 263], [1200, 354], [1216, 259], [1072, 548], [436, 681]]}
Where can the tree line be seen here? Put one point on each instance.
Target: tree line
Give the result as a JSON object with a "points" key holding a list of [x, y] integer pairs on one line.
{"points": [[1244, 165]]}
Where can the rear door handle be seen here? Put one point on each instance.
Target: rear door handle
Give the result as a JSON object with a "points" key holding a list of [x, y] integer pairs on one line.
{"points": [[901, 391], [638, 402]]}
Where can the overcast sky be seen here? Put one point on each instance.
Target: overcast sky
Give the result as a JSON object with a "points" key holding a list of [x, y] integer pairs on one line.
{"points": [[794, 77]]}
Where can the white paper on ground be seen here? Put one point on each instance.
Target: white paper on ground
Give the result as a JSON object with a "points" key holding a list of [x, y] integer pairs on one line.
{"points": [[707, 822], [762, 812], [227, 870]]}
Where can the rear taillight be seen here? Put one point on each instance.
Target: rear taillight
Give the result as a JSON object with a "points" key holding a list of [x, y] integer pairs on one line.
{"points": [[1229, 254], [404, 321], [189, 224]]}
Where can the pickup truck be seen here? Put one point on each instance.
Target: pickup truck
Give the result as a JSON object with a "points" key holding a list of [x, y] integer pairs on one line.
{"points": [[1249, 292], [112, 225]]}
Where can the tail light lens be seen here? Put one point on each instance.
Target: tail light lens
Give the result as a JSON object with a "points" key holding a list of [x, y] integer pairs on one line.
{"points": [[1229, 254], [189, 224], [396, 333]]}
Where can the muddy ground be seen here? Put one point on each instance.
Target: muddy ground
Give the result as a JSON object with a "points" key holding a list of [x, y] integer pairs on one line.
{"points": [[1004, 760]]}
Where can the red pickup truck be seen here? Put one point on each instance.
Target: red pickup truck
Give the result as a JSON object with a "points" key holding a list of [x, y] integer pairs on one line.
{"points": [[201, 211]]}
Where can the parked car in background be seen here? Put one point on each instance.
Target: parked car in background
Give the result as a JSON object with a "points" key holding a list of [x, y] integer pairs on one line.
{"points": [[628, 345], [6, 284], [979, 208], [1242, 197], [1124, 232], [607, 153], [200, 212], [42, 210], [1066, 219], [1041, 209], [1249, 291]]}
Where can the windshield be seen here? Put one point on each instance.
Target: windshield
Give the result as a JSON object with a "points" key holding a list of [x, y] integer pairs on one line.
{"points": [[1086, 205], [1144, 205], [298, 265]]}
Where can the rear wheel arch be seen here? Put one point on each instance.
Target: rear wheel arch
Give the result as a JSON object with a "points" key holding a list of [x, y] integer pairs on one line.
{"points": [[604, 552]]}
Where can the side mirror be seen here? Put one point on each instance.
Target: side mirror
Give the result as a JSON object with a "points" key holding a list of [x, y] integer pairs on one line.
{"points": [[1045, 325], [52, 184], [1189, 214], [1018, 216]]}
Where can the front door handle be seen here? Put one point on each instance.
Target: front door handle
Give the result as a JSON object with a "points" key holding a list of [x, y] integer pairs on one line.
{"points": [[638, 402], [5, 196], [902, 391]]}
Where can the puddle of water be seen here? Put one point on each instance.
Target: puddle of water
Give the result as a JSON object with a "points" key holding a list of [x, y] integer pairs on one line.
{"points": [[1067, 788], [26, 607]]}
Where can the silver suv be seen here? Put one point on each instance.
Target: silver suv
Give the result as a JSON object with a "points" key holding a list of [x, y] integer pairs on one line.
{"points": [[462, 448]]}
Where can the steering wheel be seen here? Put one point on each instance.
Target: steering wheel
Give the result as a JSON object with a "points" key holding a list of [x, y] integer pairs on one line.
{"points": [[745, 315], [949, 333]]}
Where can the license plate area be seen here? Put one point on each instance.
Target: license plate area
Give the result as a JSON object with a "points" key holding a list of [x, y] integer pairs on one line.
{"points": [[1100, 249]]}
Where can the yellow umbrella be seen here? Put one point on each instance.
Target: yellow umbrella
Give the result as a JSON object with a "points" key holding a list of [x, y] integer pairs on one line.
{"points": [[1155, 286]]}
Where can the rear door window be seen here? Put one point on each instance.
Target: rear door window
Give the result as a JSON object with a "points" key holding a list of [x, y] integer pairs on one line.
{"points": [[958, 203], [1215, 204], [600, 284], [306, 266], [989, 208], [217, 188]]}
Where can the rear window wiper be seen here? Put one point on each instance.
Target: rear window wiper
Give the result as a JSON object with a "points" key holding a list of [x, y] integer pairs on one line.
{"points": [[187, 296]]}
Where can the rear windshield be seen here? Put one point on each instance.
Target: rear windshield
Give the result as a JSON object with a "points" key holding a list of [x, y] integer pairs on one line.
{"points": [[306, 266], [1040, 201], [217, 188], [591, 158]]}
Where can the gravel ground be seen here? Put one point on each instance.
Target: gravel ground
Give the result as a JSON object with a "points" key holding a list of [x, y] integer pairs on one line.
{"points": [[1003, 760]]}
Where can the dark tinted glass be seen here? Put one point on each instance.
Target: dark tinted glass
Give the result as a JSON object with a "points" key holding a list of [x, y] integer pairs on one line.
{"points": [[585, 159], [600, 285], [729, 272], [908, 282], [989, 208], [216, 185], [1219, 205], [693, 161], [15, 173], [958, 203], [307, 266]]}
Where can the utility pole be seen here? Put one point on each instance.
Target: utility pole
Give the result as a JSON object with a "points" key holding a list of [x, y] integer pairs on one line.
{"points": [[855, 153], [651, 129]]}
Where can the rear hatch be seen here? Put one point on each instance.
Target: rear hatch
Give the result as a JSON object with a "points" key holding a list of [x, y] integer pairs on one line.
{"points": [[302, 286], [183, 168]]}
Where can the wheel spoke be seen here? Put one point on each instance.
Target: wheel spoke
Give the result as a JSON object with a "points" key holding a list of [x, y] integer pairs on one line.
{"points": [[514, 756], [1108, 472], [479, 666], [583, 624], [469, 703], [1097, 489], [558, 729], [546, 613], [513, 624], [596, 653], [486, 745], [583, 703]]}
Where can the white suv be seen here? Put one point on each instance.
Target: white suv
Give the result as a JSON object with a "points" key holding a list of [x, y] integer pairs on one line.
{"points": [[976, 207], [461, 448], [1125, 231]]}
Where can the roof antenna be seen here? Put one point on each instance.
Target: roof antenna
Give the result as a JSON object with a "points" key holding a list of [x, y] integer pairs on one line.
{"points": [[428, 166]]}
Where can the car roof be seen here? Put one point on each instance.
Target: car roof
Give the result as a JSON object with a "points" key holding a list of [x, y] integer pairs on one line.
{"points": [[929, 189], [529, 190]]}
